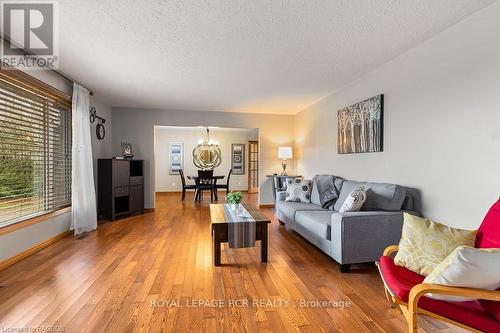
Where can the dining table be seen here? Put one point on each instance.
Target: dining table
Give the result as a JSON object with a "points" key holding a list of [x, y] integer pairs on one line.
{"points": [[214, 178]]}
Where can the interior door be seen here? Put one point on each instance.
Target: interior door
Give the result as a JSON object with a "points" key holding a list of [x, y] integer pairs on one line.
{"points": [[253, 166]]}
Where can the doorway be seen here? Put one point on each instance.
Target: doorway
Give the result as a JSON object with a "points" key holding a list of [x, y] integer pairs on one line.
{"points": [[185, 138], [253, 166]]}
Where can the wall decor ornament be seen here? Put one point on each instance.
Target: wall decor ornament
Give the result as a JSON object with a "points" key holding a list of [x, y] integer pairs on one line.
{"points": [[238, 158], [360, 127], [176, 158], [100, 131]]}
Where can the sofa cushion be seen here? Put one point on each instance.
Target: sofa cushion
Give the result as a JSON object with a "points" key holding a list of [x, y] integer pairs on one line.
{"points": [[400, 281], [492, 307], [290, 208], [298, 190], [425, 243], [317, 222], [326, 190], [379, 196], [315, 194], [467, 267], [354, 201]]}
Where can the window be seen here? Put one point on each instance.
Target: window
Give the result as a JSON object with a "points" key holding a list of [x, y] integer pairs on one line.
{"points": [[35, 148]]}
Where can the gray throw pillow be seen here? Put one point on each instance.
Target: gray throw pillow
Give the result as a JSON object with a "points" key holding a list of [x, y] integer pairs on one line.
{"points": [[298, 190], [315, 194], [379, 196], [354, 200]]}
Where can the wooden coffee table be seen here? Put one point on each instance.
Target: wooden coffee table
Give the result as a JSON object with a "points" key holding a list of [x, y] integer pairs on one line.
{"points": [[220, 229]]}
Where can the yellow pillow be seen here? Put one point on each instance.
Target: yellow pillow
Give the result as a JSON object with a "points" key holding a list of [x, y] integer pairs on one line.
{"points": [[424, 243]]}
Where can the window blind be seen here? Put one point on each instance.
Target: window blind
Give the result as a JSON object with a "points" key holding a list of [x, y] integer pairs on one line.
{"points": [[35, 148]]}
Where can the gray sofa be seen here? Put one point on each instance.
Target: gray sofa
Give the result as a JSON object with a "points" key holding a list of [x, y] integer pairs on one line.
{"points": [[353, 237]]}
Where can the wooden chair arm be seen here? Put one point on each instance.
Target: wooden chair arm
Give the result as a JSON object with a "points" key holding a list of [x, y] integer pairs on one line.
{"points": [[390, 250], [424, 288]]}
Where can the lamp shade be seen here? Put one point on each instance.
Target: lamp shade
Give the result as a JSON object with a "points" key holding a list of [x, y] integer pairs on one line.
{"points": [[285, 152]]}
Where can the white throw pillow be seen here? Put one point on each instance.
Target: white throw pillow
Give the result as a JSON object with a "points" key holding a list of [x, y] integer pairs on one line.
{"points": [[354, 200], [467, 267], [298, 190]]}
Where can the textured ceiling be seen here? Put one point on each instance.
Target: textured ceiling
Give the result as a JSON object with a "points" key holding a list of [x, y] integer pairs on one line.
{"points": [[239, 55]]}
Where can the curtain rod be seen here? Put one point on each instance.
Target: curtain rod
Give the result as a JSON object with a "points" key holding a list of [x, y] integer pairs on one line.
{"points": [[57, 71]]}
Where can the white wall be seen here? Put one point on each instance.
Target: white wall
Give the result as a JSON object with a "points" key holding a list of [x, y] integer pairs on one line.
{"points": [[190, 136], [136, 126], [442, 123]]}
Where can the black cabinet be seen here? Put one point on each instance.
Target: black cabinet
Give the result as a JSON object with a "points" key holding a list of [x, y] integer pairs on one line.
{"points": [[120, 189]]}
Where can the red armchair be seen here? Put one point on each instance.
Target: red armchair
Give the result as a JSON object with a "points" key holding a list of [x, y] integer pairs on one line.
{"points": [[404, 289]]}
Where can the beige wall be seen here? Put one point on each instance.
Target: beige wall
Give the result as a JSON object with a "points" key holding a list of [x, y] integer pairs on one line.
{"points": [[136, 126], [189, 136], [442, 123]]}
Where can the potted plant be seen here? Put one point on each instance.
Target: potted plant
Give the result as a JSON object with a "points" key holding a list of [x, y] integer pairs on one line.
{"points": [[234, 199]]}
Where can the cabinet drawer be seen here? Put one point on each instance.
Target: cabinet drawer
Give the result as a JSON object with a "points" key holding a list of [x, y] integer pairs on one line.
{"points": [[121, 191], [121, 172], [136, 180]]}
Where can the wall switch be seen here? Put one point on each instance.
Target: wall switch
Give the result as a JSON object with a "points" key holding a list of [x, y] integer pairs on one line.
{"points": [[239, 183]]}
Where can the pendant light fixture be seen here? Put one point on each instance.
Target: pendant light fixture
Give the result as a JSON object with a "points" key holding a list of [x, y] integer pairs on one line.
{"points": [[207, 154]]}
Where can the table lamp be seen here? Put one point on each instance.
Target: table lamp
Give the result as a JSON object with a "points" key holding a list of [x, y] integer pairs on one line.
{"points": [[284, 153]]}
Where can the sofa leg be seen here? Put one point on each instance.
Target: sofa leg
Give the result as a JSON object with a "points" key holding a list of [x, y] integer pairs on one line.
{"points": [[345, 268], [281, 222]]}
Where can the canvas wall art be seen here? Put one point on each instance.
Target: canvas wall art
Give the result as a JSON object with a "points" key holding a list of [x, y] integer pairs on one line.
{"points": [[238, 158], [360, 127], [176, 151]]}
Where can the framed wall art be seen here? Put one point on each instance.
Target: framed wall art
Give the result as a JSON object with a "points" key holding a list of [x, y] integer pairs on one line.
{"points": [[127, 150], [360, 127], [238, 158], [176, 157]]}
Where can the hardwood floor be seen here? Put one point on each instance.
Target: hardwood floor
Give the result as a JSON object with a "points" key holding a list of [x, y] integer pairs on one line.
{"points": [[147, 273]]}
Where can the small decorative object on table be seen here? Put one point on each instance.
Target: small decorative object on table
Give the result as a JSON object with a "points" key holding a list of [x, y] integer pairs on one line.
{"points": [[127, 150], [234, 198]]}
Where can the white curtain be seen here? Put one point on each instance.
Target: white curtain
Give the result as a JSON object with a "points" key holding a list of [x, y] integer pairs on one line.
{"points": [[83, 202]]}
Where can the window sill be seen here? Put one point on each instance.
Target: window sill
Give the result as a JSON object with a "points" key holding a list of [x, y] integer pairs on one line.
{"points": [[34, 220]]}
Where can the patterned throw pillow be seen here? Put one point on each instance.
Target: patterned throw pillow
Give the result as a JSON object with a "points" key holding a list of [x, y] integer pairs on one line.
{"points": [[298, 190], [424, 244], [354, 200], [467, 267]]}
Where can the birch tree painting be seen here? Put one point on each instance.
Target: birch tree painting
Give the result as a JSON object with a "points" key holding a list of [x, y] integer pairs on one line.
{"points": [[360, 127]]}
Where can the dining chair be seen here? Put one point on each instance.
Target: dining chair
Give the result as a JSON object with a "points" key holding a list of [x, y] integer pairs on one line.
{"points": [[184, 185], [226, 185], [205, 182]]}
